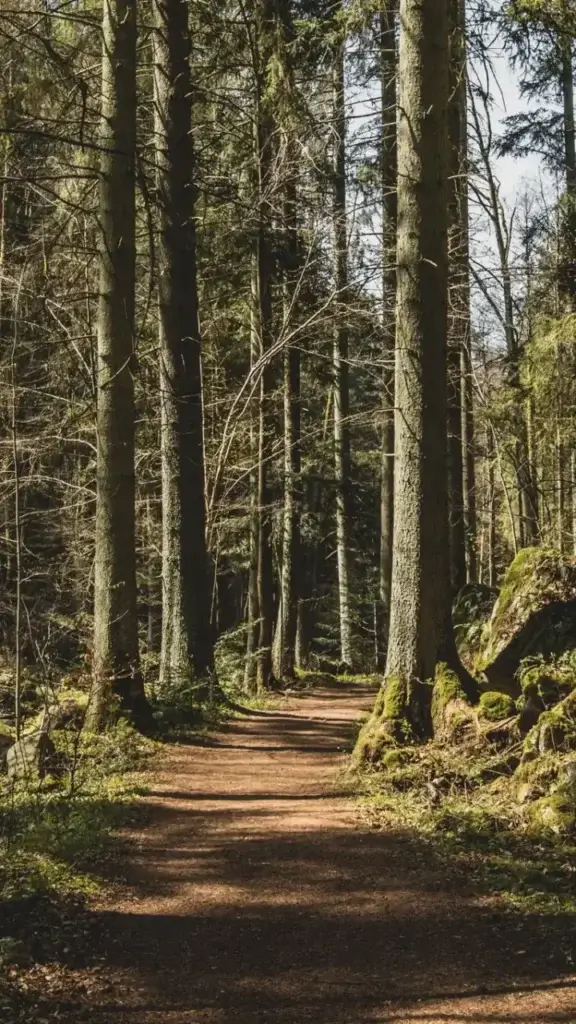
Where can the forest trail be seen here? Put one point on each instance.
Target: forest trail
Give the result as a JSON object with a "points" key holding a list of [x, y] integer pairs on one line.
{"points": [[254, 897]]}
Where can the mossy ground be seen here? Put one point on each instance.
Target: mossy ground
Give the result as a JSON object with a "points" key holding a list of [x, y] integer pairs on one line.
{"points": [[467, 808]]}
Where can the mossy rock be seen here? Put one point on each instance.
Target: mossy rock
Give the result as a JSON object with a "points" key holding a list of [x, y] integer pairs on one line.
{"points": [[471, 611], [555, 730], [453, 717], [556, 812], [395, 758], [496, 707], [535, 615], [549, 683]]}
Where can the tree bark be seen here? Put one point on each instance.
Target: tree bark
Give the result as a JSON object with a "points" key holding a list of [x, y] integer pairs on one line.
{"points": [[115, 656], [569, 269], [187, 648], [389, 173], [458, 299], [263, 277], [291, 573], [340, 363], [420, 622]]}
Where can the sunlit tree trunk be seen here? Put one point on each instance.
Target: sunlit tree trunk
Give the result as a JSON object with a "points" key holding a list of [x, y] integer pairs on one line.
{"points": [[291, 571], [420, 622], [116, 662], [340, 361], [460, 422]]}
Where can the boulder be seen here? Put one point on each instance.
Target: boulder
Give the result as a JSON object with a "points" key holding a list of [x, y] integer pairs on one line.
{"points": [[535, 615], [471, 611], [32, 757], [555, 729], [68, 714]]}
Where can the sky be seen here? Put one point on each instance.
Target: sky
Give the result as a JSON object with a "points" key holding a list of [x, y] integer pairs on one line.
{"points": [[511, 171]]}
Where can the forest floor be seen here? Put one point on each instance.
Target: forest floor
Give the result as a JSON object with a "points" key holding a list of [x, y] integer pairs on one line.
{"points": [[252, 894]]}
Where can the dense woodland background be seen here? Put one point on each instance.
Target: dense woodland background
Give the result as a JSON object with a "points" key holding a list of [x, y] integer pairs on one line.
{"points": [[198, 313]]}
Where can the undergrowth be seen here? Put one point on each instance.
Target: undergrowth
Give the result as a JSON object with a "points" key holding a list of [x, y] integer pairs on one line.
{"points": [[56, 837], [467, 809]]}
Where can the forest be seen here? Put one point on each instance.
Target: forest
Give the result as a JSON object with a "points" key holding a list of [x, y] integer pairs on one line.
{"points": [[287, 422]]}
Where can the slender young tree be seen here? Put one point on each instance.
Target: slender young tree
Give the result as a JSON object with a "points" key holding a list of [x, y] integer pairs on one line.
{"points": [[115, 654], [458, 289], [291, 573], [340, 364], [186, 631], [263, 275]]}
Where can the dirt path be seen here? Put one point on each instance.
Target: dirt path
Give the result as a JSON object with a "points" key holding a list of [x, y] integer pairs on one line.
{"points": [[254, 898]]}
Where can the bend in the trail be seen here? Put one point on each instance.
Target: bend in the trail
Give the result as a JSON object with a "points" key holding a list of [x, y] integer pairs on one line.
{"points": [[254, 897]]}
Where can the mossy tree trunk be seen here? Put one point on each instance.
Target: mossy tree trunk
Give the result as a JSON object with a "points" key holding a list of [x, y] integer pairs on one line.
{"points": [[186, 629], [115, 655], [420, 623]]}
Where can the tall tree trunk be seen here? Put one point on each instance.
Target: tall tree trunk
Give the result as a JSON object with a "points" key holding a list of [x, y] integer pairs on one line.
{"points": [[420, 622], [187, 648], [569, 269], [389, 173], [253, 616], [116, 662], [340, 360], [264, 272], [291, 574], [460, 422]]}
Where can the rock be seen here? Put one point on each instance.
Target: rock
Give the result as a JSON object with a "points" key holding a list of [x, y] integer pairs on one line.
{"points": [[535, 614], [69, 714], [528, 793], [471, 611], [555, 729], [530, 714], [32, 757], [555, 812]]}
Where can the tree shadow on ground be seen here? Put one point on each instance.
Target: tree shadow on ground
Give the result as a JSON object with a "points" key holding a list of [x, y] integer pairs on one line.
{"points": [[249, 903]]}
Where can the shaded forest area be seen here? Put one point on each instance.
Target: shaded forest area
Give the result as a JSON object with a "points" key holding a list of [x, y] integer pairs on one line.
{"points": [[287, 392]]}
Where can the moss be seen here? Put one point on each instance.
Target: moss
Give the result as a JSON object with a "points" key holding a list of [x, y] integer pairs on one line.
{"points": [[555, 730], [388, 724], [549, 683], [534, 615], [447, 688], [395, 697], [395, 758], [556, 812], [453, 718], [5, 730], [496, 706]]}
